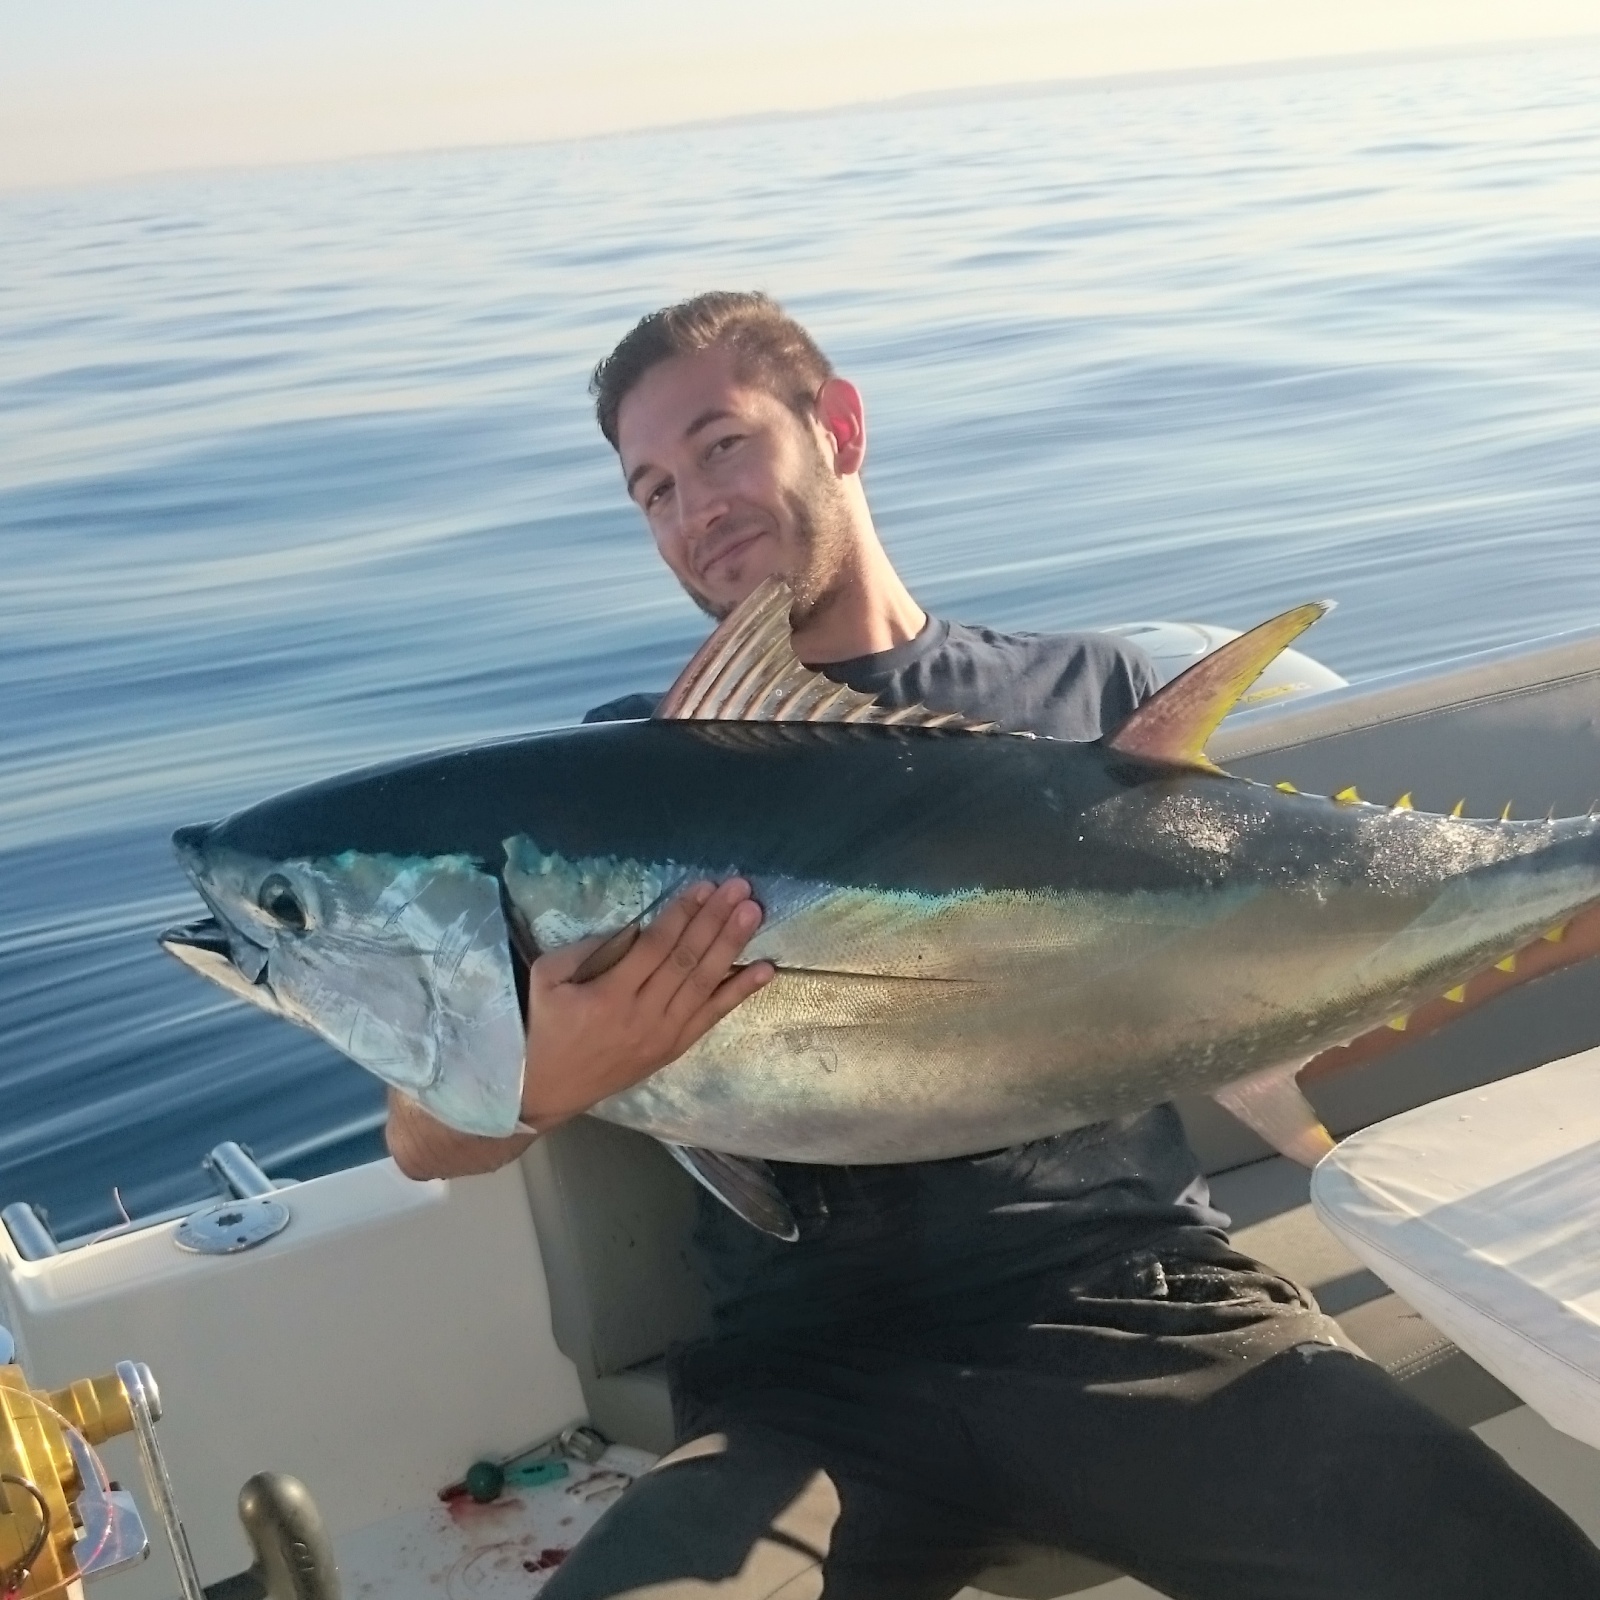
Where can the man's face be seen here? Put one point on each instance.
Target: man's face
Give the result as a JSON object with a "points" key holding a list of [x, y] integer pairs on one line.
{"points": [[735, 486]]}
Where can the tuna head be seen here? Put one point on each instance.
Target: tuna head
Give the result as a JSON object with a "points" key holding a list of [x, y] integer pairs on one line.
{"points": [[403, 964]]}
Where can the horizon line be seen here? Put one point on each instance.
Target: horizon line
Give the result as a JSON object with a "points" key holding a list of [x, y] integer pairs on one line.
{"points": [[918, 99]]}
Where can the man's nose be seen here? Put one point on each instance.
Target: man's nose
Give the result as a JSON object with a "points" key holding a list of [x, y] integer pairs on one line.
{"points": [[700, 508]]}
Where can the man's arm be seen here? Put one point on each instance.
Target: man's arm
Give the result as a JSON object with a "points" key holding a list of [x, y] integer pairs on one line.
{"points": [[423, 1147], [589, 1040]]}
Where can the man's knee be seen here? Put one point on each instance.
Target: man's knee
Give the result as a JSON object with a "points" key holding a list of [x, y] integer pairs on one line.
{"points": [[733, 1518]]}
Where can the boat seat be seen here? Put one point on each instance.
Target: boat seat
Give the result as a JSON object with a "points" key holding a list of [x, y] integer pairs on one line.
{"points": [[614, 1214]]}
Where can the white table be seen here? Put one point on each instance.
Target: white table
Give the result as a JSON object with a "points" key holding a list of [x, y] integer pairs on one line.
{"points": [[1483, 1211]]}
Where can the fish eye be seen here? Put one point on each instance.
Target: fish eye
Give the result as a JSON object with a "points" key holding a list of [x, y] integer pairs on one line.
{"points": [[277, 898]]}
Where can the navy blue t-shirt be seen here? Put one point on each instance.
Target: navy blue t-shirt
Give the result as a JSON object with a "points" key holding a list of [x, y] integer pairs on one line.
{"points": [[943, 1238]]}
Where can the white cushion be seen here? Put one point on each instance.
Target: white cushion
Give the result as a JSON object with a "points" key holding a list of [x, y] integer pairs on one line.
{"points": [[1483, 1211]]}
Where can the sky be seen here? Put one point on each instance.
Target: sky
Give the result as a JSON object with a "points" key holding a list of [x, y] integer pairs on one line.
{"points": [[92, 90]]}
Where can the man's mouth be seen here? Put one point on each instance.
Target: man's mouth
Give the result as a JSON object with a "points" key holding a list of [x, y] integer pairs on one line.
{"points": [[726, 553]]}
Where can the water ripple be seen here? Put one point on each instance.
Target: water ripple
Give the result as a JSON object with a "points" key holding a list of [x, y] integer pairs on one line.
{"points": [[298, 472]]}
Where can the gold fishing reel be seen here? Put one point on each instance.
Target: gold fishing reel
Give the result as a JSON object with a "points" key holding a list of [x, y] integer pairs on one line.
{"points": [[60, 1519]]}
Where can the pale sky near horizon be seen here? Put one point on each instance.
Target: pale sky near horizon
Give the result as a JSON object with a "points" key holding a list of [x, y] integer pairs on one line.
{"points": [[100, 89]]}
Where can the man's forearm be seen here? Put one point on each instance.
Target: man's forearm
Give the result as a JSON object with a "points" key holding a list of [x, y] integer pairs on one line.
{"points": [[424, 1147]]}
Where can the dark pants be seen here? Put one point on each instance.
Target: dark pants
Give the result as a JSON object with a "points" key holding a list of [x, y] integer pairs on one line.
{"points": [[1187, 1417]]}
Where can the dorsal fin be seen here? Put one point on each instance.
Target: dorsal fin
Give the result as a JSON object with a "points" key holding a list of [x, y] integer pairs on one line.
{"points": [[1175, 722], [747, 671]]}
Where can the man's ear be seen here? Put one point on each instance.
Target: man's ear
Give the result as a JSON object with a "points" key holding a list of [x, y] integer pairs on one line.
{"points": [[844, 419]]}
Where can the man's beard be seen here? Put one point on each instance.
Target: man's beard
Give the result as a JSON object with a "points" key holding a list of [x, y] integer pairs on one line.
{"points": [[820, 524]]}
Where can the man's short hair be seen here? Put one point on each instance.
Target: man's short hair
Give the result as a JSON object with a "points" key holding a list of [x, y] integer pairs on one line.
{"points": [[770, 349]]}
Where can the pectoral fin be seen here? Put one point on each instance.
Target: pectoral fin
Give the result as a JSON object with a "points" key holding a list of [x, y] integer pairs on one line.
{"points": [[1270, 1103], [1174, 723], [743, 1184], [604, 957]]}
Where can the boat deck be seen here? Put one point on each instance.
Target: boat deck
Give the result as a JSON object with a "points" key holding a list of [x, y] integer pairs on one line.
{"points": [[505, 1550]]}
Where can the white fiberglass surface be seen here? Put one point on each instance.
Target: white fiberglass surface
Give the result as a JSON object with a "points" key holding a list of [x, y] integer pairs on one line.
{"points": [[1482, 1210]]}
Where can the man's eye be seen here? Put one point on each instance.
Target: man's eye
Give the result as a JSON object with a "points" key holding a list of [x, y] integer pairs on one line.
{"points": [[724, 444], [654, 495]]}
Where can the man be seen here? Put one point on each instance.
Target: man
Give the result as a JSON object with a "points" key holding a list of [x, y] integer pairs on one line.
{"points": [[1052, 1344]]}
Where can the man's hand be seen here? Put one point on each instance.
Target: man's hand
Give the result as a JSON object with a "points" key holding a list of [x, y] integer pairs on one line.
{"points": [[589, 1040]]}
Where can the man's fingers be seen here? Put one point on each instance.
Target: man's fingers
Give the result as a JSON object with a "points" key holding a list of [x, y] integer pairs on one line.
{"points": [[675, 941], [704, 951], [657, 942], [733, 991], [587, 959], [675, 965], [587, 1040], [641, 954]]}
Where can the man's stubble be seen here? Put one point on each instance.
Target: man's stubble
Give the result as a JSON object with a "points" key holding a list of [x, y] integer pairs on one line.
{"points": [[821, 536]]}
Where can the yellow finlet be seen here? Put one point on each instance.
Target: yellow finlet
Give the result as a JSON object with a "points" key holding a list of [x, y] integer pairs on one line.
{"points": [[1505, 816], [1287, 788], [1398, 1023], [1509, 964], [1457, 994], [1556, 934], [1458, 808], [1403, 803], [1174, 724], [1348, 797]]}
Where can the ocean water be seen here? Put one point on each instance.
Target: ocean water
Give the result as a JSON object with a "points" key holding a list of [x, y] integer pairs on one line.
{"points": [[297, 469]]}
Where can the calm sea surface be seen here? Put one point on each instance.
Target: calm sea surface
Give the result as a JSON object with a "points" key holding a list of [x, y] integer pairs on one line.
{"points": [[297, 472]]}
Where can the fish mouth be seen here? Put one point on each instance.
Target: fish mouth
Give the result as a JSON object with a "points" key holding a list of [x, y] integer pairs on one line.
{"points": [[208, 947], [217, 940]]}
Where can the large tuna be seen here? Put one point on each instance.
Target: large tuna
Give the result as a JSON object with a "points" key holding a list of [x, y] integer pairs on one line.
{"points": [[981, 938]]}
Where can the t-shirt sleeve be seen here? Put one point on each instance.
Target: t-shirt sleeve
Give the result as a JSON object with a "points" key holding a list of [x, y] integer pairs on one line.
{"points": [[1073, 686], [1144, 680], [1125, 675]]}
